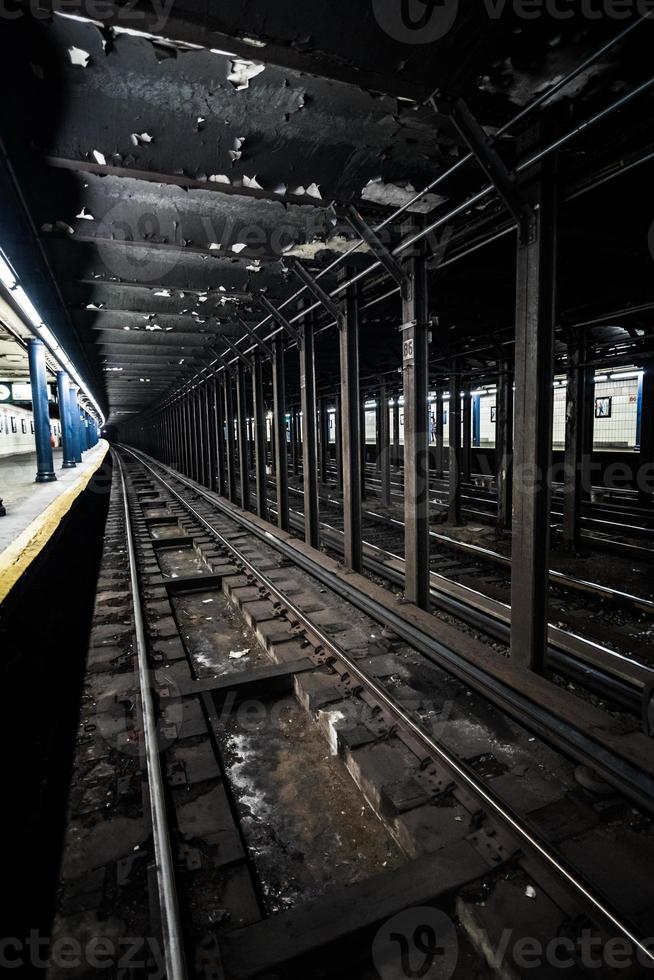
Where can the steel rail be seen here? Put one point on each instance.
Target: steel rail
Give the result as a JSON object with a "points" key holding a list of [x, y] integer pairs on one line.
{"points": [[622, 680], [565, 650], [634, 782], [559, 579], [526, 834], [169, 908], [527, 110]]}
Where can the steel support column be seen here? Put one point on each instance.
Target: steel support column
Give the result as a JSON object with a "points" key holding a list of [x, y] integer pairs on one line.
{"points": [[219, 436], [198, 475], [363, 444], [466, 449], [646, 460], [229, 424], [204, 434], [351, 429], [279, 429], [259, 435], [454, 451], [438, 435], [384, 447], [295, 441], [504, 445], [212, 449], [396, 432], [324, 442], [415, 377], [535, 320], [243, 457], [338, 447], [573, 469], [188, 435], [309, 452]]}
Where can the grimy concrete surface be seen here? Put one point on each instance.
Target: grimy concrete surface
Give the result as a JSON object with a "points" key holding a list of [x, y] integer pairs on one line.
{"points": [[34, 510]]}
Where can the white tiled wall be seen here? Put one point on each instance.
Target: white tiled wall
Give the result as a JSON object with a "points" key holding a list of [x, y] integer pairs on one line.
{"points": [[617, 432]]}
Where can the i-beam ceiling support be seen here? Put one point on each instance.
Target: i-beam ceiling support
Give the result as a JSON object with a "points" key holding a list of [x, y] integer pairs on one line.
{"points": [[504, 444], [351, 434], [575, 423], [241, 414], [219, 435], [259, 436], [229, 421], [415, 375], [309, 455], [317, 291], [384, 446], [495, 169], [211, 442], [454, 444], [646, 459], [534, 342], [204, 428], [377, 247], [279, 430]]}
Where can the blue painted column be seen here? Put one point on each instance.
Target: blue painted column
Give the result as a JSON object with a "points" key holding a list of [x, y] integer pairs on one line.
{"points": [[44, 462], [65, 420], [86, 434], [75, 423]]}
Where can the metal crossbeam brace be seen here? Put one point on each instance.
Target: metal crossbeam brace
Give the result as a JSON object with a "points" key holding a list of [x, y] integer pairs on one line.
{"points": [[314, 287], [241, 356], [495, 169], [220, 358], [250, 332], [278, 317], [377, 247]]}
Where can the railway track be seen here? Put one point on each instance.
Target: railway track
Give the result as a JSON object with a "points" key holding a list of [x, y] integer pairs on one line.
{"points": [[597, 648], [605, 525], [486, 814], [605, 505]]}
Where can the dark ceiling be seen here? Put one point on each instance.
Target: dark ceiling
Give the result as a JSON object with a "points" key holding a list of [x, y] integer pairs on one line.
{"points": [[154, 185]]}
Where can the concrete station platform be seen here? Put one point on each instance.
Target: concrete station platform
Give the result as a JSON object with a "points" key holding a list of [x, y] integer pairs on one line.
{"points": [[35, 510]]}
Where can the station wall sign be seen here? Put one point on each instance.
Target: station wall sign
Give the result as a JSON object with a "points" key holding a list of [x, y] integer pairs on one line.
{"points": [[19, 391]]}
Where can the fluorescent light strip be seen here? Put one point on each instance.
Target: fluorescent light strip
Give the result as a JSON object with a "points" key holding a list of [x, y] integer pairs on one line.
{"points": [[9, 280]]}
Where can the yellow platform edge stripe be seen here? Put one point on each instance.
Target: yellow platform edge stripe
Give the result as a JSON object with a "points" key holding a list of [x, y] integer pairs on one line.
{"points": [[19, 555]]}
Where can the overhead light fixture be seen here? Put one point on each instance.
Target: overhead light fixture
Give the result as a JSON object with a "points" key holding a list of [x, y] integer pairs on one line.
{"points": [[9, 280], [7, 277], [21, 298], [49, 337]]}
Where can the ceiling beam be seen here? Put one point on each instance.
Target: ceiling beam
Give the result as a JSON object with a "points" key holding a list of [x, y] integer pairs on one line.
{"points": [[149, 246], [204, 30], [187, 183]]}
